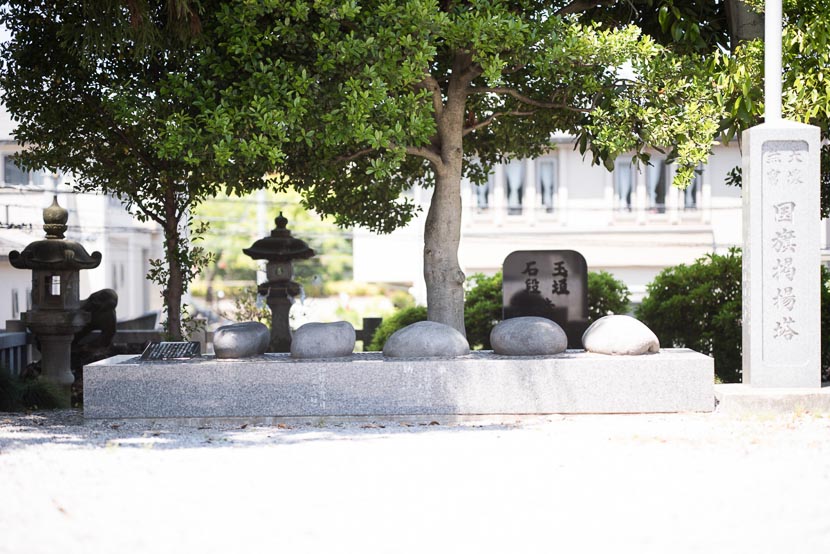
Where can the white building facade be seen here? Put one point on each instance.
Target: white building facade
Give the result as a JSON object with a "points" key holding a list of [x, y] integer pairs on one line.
{"points": [[630, 222], [99, 222]]}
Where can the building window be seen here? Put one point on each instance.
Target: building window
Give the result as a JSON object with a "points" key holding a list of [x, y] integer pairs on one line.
{"points": [[514, 179], [482, 193], [692, 193], [13, 175], [547, 183], [623, 183], [657, 179]]}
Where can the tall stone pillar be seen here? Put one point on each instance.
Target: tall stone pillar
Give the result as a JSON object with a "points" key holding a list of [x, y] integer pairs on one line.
{"points": [[781, 283]]}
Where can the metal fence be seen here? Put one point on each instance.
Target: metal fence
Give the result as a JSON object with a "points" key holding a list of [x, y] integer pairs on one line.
{"points": [[14, 352]]}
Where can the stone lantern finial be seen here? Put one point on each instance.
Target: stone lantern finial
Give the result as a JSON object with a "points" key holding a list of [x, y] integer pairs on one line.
{"points": [[54, 220]]}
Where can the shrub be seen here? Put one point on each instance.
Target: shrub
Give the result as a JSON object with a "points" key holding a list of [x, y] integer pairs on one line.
{"points": [[398, 320], [606, 295], [30, 394], [698, 306], [482, 308]]}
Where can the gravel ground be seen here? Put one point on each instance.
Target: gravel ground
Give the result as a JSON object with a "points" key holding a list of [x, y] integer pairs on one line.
{"points": [[626, 483]]}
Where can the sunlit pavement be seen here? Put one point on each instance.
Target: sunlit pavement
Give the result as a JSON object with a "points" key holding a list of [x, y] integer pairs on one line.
{"points": [[622, 483]]}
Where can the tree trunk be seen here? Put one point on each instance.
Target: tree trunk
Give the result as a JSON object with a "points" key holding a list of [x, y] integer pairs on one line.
{"points": [[174, 287], [442, 232]]}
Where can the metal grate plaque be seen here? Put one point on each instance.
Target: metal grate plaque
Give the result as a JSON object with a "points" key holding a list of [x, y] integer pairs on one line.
{"points": [[171, 351]]}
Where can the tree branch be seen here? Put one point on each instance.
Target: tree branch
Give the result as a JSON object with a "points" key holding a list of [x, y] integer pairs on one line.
{"points": [[526, 99], [426, 153], [491, 118], [431, 84], [579, 6], [353, 156]]}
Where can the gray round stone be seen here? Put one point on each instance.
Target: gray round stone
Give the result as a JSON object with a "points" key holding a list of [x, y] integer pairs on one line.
{"points": [[323, 340], [426, 339], [528, 336], [241, 340], [620, 334]]}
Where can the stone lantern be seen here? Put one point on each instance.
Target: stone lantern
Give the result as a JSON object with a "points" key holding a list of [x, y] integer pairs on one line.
{"points": [[55, 316], [279, 249]]}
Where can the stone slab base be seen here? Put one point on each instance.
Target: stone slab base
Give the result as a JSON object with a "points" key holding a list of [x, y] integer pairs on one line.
{"points": [[740, 399], [366, 384]]}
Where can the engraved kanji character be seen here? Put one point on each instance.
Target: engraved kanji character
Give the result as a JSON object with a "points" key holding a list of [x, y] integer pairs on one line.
{"points": [[785, 299], [773, 177], [532, 285], [783, 241], [559, 270], [795, 176], [530, 269], [784, 329], [560, 287], [773, 158], [784, 211], [783, 268]]}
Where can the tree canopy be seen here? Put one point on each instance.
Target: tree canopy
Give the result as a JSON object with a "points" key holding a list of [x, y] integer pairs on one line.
{"points": [[99, 108], [358, 100]]}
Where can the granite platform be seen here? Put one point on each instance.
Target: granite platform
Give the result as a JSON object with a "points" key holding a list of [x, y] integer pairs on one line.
{"points": [[744, 399], [367, 384]]}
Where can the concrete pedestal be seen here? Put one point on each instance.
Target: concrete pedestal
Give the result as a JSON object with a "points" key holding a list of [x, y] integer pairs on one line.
{"points": [[366, 384], [781, 285]]}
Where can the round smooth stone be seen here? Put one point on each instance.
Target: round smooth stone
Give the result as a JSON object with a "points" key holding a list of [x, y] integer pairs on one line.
{"points": [[528, 336], [323, 340], [241, 340], [620, 335], [426, 339]]}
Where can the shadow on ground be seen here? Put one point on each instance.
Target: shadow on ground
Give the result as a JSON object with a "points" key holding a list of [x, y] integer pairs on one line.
{"points": [[69, 429]]}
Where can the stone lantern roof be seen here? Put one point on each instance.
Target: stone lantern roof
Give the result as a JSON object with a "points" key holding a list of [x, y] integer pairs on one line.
{"points": [[55, 252], [280, 246]]}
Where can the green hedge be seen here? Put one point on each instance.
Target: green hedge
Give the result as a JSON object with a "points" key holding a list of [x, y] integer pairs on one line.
{"points": [[483, 307], [698, 306]]}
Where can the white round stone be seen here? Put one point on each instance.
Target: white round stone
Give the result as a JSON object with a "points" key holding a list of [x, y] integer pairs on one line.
{"points": [[528, 336], [620, 334], [323, 340], [426, 339], [241, 340]]}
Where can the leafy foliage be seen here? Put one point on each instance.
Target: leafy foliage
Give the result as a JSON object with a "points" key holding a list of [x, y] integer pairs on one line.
{"points": [[30, 394], [806, 94], [698, 306], [98, 106], [482, 308], [359, 100], [233, 227], [606, 295]]}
